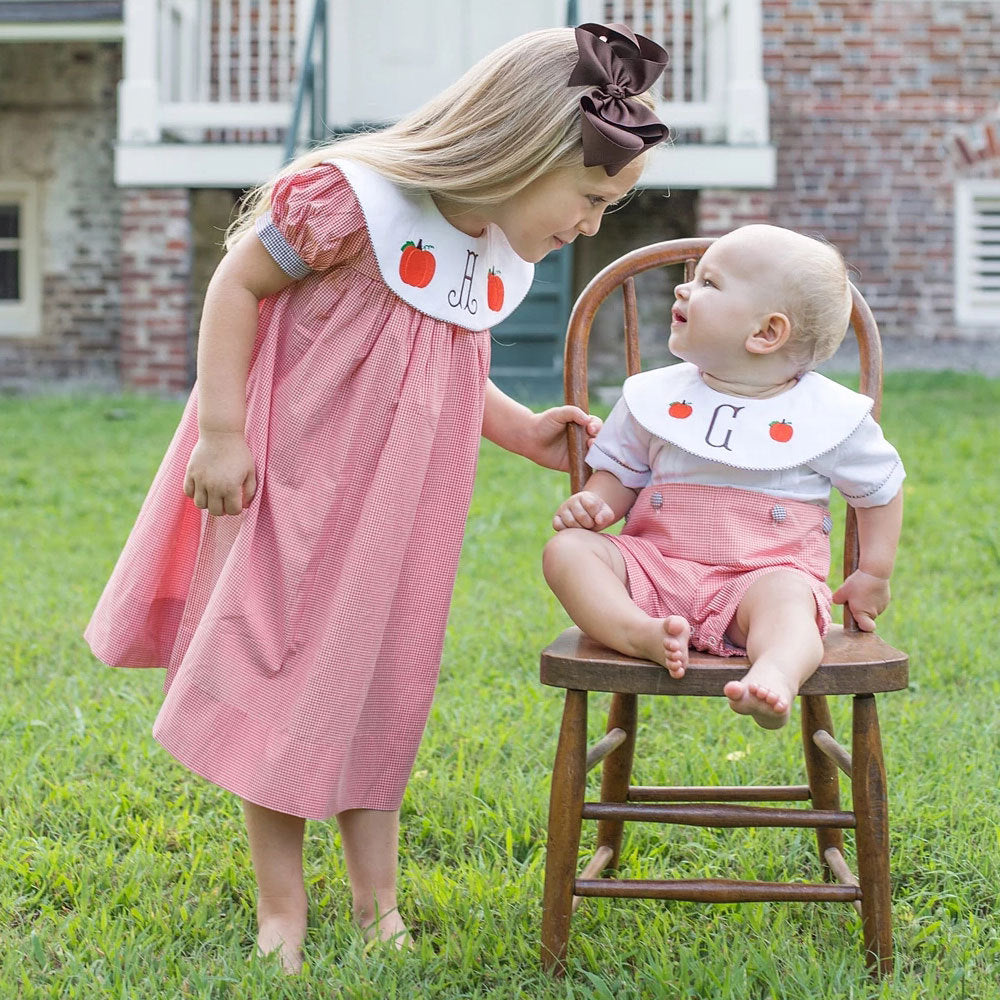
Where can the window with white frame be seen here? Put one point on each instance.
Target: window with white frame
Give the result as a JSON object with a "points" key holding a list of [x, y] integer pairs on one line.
{"points": [[977, 252], [20, 280]]}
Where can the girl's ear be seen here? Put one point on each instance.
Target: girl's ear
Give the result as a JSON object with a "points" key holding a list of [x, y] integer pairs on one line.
{"points": [[771, 335]]}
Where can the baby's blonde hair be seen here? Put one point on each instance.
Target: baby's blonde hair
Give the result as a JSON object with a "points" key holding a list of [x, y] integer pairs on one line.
{"points": [[508, 120], [815, 293], [820, 304]]}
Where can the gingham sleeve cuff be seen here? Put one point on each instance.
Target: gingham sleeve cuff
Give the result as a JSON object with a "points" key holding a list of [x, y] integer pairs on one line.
{"points": [[279, 248]]}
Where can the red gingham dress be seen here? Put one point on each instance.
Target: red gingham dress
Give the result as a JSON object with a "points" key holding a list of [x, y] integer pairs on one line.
{"points": [[302, 638]]}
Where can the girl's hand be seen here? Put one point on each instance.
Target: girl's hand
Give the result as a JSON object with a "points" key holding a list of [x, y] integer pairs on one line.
{"points": [[220, 474], [547, 444], [584, 510], [866, 596]]}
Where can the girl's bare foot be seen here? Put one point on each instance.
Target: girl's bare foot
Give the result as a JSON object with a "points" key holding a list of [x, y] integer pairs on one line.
{"points": [[676, 635], [283, 933], [388, 929], [764, 693]]}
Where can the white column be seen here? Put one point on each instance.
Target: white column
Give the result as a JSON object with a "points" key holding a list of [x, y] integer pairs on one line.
{"points": [[138, 92], [746, 98]]}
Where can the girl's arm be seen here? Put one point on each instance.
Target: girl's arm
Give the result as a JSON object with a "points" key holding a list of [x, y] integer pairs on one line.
{"points": [[220, 474], [866, 591], [603, 500], [538, 436]]}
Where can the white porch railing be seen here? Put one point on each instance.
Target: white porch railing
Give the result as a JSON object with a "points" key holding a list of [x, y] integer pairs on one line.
{"points": [[209, 85], [197, 68], [714, 82]]}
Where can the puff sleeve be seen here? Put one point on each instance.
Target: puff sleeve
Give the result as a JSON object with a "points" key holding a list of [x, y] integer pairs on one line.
{"points": [[313, 222], [865, 467], [622, 448]]}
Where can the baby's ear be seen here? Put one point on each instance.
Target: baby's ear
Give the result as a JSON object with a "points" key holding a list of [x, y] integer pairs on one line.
{"points": [[771, 335]]}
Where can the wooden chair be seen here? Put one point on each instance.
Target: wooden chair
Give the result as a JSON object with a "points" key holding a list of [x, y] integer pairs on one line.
{"points": [[855, 663]]}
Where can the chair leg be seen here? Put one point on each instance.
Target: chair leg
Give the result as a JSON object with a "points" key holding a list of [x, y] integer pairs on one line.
{"points": [[617, 772], [822, 773], [569, 775], [872, 812]]}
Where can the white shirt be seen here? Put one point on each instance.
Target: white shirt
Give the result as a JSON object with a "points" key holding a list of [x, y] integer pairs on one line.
{"points": [[670, 427]]}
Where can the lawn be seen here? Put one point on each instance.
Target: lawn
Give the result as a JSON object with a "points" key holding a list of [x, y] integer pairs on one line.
{"points": [[121, 875]]}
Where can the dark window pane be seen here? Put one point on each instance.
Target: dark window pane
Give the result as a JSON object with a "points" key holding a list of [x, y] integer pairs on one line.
{"points": [[9, 218], [10, 287]]}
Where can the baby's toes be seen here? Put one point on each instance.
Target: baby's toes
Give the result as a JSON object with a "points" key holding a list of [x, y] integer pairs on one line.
{"points": [[775, 700], [734, 690]]}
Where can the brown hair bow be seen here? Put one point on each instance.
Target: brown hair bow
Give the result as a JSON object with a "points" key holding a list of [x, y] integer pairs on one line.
{"points": [[618, 64]]}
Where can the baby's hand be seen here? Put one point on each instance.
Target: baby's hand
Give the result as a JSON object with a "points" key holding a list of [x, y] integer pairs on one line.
{"points": [[583, 510], [866, 596], [220, 474]]}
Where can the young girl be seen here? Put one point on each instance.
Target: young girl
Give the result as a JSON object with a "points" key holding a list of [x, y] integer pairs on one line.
{"points": [[342, 389], [724, 465]]}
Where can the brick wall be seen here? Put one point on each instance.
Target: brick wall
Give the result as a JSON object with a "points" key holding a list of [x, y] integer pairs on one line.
{"points": [[871, 103], [116, 264], [57, 129], [878, 107], [156, 342]]}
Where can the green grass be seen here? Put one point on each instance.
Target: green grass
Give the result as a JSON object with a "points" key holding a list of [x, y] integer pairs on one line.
{"points": [[121, 875]]}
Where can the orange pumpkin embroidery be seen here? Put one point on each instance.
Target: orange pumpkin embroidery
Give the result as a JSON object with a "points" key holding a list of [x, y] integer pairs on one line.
{"points": [[494, 290], [781, 430], [416, 266]]}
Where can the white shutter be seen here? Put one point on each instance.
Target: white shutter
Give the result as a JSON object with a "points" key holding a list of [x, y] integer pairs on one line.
{"points": [[977, 252]]}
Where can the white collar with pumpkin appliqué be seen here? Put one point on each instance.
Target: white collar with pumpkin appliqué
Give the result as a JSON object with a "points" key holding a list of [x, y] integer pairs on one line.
{"points": [[472, 282], [779, 432]]}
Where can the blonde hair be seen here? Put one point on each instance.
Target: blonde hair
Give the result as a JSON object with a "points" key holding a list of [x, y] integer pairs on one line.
{"points": [[819, 303], [813, 289], [504, 123]]}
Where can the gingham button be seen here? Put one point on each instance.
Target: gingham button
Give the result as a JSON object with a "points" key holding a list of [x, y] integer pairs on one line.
{"points": [[778, 513], [656, 501], [827, 524]]}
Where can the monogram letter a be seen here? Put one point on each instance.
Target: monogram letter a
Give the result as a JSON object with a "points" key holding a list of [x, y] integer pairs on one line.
{"points": [[456, 295]]}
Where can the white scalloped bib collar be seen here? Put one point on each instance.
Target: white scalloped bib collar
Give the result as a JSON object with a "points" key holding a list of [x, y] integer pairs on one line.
{"points": [[780, 432], [472, 282]]}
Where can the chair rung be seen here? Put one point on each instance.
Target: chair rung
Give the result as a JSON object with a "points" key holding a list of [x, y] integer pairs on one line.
{"points": [[709, 890], [595, 866], [719, 793], [838, 866], [717, 815], [837, 753], [609, 741]]}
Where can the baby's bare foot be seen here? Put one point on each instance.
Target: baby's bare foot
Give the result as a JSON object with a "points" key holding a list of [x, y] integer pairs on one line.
{"points": [[676, 636], [284, 935], [769, 703]]}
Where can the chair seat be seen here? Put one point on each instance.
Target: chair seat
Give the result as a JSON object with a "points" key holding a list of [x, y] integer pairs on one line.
{"points": [[853, 663]]}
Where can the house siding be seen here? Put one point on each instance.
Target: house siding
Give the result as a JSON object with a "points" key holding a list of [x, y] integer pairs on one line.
{"points": [[871, 103], [57, 129], [877, 110]]}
